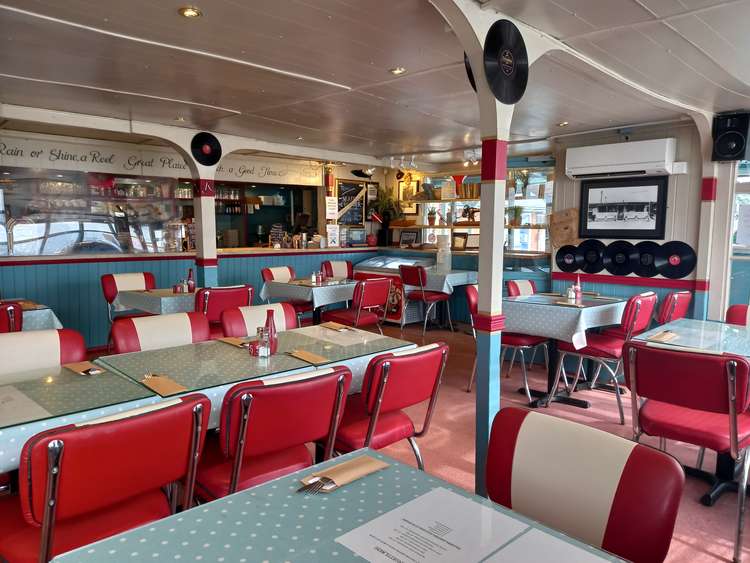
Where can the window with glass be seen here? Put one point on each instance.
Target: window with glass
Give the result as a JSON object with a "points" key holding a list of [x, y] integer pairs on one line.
{"points": [[54, 212], [739, 284]]}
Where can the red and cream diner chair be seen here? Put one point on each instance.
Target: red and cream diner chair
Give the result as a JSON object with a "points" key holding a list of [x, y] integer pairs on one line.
{"points": [[244, 321], [39, 349], [338, 269], [265, 426], [112, 284], [414, 279], [374, 418], [369, 305], [629, 504], [285, 274], [737, 315], [674, 307], [213, 301], [83, 483], [159, 331], [694, 397], [517, 342], [604, 349], [518, 288], [11, 317]]}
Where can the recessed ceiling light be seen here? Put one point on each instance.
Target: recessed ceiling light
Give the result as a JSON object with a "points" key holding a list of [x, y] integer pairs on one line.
{"points": [[562, 124], [397, 71], [179, 118], [299, 138], [6, 173], [60, 176], [190, 12], [466, 163]]}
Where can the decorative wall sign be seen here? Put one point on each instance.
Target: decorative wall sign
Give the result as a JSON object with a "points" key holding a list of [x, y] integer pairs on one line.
{"points": [[351, 202], [407, 238], [629, 208], [407, 190]]}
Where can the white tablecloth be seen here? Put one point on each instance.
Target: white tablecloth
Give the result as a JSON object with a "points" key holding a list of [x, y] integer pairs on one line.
{"points": [[318, 295]]}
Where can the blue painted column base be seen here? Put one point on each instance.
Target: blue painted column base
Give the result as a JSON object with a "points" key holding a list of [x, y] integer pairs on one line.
{"points": [[208, 276], [487, 400]]}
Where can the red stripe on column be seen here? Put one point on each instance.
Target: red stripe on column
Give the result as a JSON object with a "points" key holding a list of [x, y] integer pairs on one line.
{"points": [[489, 323], [644, 508], [502, 448], [494, 159], [205, 188], [708, 189], [207, 261]]}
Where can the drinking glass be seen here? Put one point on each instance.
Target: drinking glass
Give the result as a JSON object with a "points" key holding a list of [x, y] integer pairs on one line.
{"points": [[264, 342]]}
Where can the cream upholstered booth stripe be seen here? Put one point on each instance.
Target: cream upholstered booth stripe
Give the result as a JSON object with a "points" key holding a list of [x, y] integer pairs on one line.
{"points": [[340, 269], [132, 412], [26, 351], [163, 331], [255, 316], [281, 273], [550, 453], [297, 377], [416, 350], [525, 287], [128, 282]]}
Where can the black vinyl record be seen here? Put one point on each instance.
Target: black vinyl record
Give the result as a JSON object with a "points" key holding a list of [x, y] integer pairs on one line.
{"points": [[592, 255], [469, 72], [618, 257], [675, 260], [206, 148], [568, 259], [506, 63], [644, 260]]}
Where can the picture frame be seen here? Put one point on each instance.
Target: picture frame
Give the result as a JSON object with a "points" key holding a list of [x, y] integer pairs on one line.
{"points": [[407, 238], [472, 241], [407, 191], [458, 241], [623, 208]]}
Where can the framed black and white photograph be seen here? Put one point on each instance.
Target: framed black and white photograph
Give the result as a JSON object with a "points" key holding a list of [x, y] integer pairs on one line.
{"points": [[626, 208], [408, 238]]}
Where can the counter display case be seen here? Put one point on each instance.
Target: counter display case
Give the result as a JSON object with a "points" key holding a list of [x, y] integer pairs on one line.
{"points": [[50, 212]]}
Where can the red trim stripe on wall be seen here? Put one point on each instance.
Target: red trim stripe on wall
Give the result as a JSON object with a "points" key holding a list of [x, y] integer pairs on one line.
{"points": [[696, 285], [708, 189], [489, 323]]}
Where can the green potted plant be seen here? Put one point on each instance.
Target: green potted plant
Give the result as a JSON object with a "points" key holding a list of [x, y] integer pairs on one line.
{"points": [[388, 209], [431, 215], [515, 219]]}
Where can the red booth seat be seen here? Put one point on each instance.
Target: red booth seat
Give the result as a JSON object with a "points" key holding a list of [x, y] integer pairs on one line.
{"points": [[38, 349], [159, 331], [244, 321], [213, 301]]}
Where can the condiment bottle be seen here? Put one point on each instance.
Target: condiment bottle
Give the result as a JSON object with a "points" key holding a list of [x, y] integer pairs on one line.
{"points": [[190, 281], [273, 338]]}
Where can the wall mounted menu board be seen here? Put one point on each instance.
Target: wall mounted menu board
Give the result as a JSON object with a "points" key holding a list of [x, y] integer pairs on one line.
{"points": [[352, 196]]}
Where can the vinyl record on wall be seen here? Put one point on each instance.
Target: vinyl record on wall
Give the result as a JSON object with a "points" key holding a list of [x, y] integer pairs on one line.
{"points": [[644, 259], [592, 253], [469, 72], [506, 63], [568, 259], [206, 148], [675, 259], [618, 257]]}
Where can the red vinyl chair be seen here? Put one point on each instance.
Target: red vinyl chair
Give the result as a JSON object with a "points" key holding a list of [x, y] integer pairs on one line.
{"points": [[285, 274], [687, 396], [159, 331], [674, 306], [369, 305], [603, 348], [416, 277], [39, 349], [338, 269], [265, 426], [112, 284], [375, 418], [629, 505], [244, 321], [516, 342], [737, 315], [213, 301], [83, 483], [517, 288], [11, 317]]}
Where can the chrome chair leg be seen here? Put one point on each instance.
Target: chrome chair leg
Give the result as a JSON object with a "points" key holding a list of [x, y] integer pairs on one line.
{"points": [[473, 375], [525, 377], [663, 444], [427, 317], [560, 370], [512, 360], [741, 500], [699, 461], [545, 348], [533, 355], [448, 309], [417, 453], [596, 376], [577, 377], [618, 396]]}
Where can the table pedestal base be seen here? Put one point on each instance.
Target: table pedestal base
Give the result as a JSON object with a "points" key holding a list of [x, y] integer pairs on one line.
{"points": [[563, 397], [723, 480]]}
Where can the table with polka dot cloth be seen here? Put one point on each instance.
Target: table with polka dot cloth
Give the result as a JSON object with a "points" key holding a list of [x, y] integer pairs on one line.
{"points": [[542, 315], [327, 293], [40, 319], [272, 522], [157, 301]]}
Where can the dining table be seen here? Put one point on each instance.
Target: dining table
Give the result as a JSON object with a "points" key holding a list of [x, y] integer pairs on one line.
{"points": [[160, 301], [36, 316], [326, 292], [712, 337], [31, 402], [395, 514], [553, 316]]}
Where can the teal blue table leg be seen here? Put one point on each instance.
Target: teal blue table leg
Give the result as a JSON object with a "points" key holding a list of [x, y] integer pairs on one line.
{"points": [[488, 399]]}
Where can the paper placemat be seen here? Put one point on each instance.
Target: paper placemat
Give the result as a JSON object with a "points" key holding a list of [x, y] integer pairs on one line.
{"points": [[569, 304], [335, 326], [235, 341], [84, 368], [663, 336], [349, 471], [163, 385], [309, 357]]}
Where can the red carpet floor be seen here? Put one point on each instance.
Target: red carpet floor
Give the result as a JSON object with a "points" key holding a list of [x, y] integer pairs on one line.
{"points": [[702, 534]]}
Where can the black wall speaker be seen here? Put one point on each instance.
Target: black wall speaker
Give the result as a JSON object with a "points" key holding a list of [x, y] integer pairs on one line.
{"points": [[730, 133]]}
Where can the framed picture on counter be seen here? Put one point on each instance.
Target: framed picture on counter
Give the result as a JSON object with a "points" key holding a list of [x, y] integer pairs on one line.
{"points": [[407, 238], [406, 192], [458, 241], [472, 241]]}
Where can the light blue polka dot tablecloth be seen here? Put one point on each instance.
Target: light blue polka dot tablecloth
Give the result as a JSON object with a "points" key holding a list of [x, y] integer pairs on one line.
{"points": [[40, 319], [303, 290], [157, 301], [272, 522]]}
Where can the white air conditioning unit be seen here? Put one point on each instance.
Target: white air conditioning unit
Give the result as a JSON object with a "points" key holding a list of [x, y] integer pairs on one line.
{"points": [[620, 160]]}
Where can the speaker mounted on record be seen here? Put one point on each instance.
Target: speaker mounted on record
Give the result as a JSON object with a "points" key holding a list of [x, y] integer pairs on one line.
{"points": [[730, 134], [506, 62], [205, 148]]}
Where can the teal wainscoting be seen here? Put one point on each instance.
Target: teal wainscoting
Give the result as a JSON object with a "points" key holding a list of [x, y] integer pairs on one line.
{"points": [[739, 286]]}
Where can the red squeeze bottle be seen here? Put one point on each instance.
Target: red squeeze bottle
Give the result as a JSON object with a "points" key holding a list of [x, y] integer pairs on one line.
{"points": [[190, 281], [272, 336]]}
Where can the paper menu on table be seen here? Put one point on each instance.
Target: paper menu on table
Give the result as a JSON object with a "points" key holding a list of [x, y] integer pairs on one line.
{"points": [[536, 545], [15, 407], [438, 526]]}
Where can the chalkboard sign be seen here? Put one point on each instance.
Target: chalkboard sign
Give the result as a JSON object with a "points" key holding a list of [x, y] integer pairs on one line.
{"points": [[352, 196]]}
